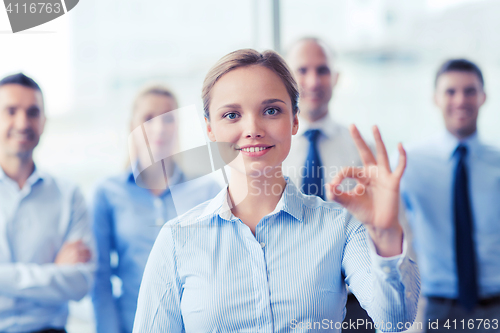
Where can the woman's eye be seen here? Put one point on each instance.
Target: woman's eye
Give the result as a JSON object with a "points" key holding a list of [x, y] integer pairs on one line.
{"points": [[272, 111], [230, 115]]}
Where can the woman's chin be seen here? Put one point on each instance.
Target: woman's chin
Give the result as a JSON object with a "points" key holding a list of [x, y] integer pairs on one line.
{"points": [[161, 152], [261, 170]]}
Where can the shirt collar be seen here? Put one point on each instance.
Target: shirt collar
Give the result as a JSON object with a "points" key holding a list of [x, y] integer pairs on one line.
{"points": [[450, 144], [291, 202], [2, 174], [35, 176], [327, 125], [32, 179]]}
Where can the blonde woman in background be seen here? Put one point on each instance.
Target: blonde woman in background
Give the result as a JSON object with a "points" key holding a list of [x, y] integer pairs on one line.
{"points": [[128, 210]]}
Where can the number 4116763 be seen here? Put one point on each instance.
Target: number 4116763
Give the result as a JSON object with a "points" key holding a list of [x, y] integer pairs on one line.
{"points": [[471, 324], [40, 7]]}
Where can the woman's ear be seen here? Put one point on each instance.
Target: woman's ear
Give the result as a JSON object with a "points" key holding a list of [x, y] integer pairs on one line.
{"points": [[210, 134], [295, 126]]}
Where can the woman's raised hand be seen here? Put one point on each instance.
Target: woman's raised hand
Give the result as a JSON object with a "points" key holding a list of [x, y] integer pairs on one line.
{"points": [[375, 199]]}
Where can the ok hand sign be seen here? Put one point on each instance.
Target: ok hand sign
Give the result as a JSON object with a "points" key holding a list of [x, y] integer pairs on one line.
{"points": [[375, 199]]}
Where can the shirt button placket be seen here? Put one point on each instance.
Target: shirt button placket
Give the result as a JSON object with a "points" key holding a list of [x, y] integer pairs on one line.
{"points": [[265, 319]]}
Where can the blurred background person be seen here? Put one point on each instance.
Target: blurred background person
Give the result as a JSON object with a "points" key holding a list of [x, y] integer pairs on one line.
{"points": [[46, 256], [129, 209], [322, 147], [453, 207]]}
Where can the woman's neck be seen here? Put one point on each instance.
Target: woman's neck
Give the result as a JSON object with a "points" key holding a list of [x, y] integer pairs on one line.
{"points": [[154, 175], [253, 198]]}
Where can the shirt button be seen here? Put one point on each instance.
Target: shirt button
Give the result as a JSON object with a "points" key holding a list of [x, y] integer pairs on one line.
{"points": [[386, 269], [157, 203], [262, 244], [408, 294], [159, 221]]}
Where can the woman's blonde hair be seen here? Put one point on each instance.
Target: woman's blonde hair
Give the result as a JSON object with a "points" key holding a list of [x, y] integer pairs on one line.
{"points": [[250, 57]]}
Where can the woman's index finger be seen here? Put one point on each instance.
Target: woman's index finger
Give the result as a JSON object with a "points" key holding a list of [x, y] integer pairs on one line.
{"points": [[363, 149]]}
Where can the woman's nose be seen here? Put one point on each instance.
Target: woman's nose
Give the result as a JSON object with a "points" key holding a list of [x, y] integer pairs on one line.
{"points": [[155, 126], [253, 128]]}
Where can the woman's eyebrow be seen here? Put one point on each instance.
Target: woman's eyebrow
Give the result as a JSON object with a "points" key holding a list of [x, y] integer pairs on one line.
{"points": [[231, 106], [272, 100]]}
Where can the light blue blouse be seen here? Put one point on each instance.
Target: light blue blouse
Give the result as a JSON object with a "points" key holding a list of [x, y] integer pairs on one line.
{"points": [[207, 272], [127, 219]]}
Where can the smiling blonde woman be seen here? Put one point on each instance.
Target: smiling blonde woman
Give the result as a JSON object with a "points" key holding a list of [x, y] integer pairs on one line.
{"points": [[261, 256]]}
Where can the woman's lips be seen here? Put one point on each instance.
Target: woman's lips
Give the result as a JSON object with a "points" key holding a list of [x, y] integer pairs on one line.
{"points": [[255, 151]]}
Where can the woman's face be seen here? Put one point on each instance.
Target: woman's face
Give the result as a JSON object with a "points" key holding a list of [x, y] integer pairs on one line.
{"points": [[251, 110], [152, 111]]}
